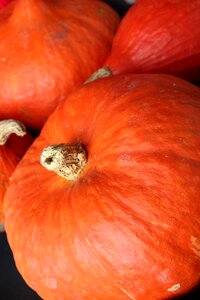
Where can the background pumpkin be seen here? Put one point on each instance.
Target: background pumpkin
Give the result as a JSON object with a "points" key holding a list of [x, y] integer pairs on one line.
{"points": [[14, 141], [47, 49], [158, 37], [128, 227]]}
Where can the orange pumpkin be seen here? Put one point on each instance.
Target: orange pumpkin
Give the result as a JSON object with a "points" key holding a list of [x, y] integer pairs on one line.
{"points": [[14, 141], [158, 37], [47, 49], [112, 211]]}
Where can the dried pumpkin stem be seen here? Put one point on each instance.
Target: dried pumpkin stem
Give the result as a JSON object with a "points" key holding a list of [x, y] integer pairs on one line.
{"points": [[8, 127], [101, 73], [66, 160]]}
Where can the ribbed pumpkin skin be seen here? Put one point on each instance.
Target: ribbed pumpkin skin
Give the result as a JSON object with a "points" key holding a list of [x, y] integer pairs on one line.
{"points": [[10, 155], [47, 49], [129, 227], [158, 37]]}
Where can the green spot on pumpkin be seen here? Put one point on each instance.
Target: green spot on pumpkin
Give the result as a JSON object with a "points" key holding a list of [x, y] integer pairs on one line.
{"points": [[25, 113], [100, 11]]}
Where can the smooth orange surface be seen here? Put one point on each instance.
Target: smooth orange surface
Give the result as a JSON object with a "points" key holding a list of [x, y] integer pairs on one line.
{"points": [[158, 37], [129, 227]]}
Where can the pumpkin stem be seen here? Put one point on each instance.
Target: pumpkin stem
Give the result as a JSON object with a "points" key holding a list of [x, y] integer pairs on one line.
{"points": [[66, 160], [101, 73], [8, 127]]}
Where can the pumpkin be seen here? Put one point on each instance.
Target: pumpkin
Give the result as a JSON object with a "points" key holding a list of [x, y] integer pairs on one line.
{"points": [[47, 49], [3, 3], [14, 141], [105, 203], [158, 37]]}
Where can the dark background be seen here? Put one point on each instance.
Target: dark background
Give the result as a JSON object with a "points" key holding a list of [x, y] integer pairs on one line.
{"points": [[12, 286]]}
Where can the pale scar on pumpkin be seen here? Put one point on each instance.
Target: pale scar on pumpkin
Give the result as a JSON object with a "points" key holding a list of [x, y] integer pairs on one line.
{"points": [[174, 287], [51, 283], [195, 245], [128, 294]]}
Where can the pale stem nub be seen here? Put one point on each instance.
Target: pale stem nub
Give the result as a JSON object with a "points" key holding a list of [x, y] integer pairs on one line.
{"points": [[8, 127], [101, 73], [66, 160]]}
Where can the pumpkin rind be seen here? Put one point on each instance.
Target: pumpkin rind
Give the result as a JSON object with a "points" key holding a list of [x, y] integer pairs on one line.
{"points": [[158, 37], [47, 49], [4, 3], [14, 141], [129, 226]]}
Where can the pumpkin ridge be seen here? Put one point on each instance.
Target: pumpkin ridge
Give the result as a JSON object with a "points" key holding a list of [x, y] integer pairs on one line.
{"points": [[117, 201], [84, 239], [98, 257]]}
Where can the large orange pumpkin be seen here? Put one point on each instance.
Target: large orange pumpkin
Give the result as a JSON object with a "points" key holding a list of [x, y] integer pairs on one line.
{"points": [[158, 37], [48, 48], [105, 203], [14, 141]]}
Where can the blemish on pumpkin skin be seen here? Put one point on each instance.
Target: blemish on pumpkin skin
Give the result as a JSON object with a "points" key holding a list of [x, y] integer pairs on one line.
{"points": [[60, 34], [128, 294], [25, 113], [162, 225], [195, 245], [51, 283], [100, 11], [174, 287], [3, 181]]}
